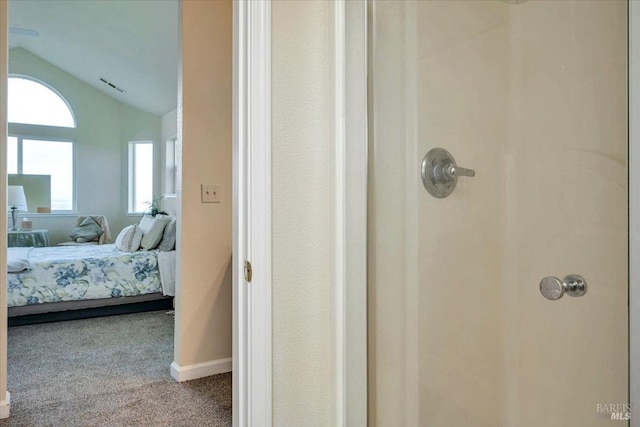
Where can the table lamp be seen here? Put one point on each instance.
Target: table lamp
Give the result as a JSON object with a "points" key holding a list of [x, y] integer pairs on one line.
{"points": [[16, 201]]}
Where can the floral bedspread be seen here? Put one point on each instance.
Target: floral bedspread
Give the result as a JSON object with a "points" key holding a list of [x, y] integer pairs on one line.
{"points": [[71, 273]]}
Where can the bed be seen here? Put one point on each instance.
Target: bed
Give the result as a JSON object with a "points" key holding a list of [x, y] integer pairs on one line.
{"points": [[78, 277]]}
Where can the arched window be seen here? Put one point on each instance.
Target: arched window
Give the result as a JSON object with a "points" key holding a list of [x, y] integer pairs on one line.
{"points": [[34, 103]]}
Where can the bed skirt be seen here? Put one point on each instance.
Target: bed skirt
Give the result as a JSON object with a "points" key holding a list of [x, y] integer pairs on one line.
{"points": [[53, 307]]}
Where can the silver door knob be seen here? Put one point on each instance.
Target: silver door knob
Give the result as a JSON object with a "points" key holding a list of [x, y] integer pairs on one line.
{"points": [[553, 288], [440, 172]]}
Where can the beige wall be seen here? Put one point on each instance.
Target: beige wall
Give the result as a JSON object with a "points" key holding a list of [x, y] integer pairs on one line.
{"points": [[203, 302], [303, 208]]}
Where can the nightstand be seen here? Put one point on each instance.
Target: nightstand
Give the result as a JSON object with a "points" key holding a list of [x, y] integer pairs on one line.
{"points": [[27, 238]]}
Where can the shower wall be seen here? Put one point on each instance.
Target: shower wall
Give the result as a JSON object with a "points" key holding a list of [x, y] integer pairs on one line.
{"points": [[463, 87], [533, 97], [440, 79], [566, 212]]}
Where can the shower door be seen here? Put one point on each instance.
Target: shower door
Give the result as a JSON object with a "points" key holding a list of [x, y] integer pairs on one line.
{"points": [[532, 96]]}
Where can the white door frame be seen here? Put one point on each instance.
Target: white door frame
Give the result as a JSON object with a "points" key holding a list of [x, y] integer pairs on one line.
{"points": [[252, 213], [252, 334]]}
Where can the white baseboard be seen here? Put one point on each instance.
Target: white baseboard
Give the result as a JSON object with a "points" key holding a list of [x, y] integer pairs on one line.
{"points": [[200, 370], [4, 406]]}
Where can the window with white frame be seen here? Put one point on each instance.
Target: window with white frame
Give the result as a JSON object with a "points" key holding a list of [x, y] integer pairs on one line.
{"points": [[45, 157], [32, 102], [140, 175], [171, 171]]}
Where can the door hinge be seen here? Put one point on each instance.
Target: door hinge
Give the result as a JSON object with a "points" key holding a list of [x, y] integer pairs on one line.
{"points": [[248, 272]]}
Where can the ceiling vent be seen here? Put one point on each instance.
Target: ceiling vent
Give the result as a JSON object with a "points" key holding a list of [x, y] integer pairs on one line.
{"points": [[112, 86]]}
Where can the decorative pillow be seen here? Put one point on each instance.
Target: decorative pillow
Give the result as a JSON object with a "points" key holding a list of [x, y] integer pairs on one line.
{"points": [[17, 265], [129, 238], [168, 242], [87, 231], [152, 229]]}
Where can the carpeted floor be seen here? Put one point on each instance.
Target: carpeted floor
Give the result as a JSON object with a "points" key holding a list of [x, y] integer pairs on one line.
{"points": [[108, 371]]}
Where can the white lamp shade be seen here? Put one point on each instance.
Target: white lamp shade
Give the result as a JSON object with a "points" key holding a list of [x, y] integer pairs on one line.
{"points": [[16, 197]]}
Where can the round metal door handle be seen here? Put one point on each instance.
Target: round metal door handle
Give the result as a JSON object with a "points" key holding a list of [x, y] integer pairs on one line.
{"points": [[553, 288], [440, 172]]}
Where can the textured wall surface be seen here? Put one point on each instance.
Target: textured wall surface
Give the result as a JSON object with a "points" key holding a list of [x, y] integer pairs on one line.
{"points": [[303, 208]]}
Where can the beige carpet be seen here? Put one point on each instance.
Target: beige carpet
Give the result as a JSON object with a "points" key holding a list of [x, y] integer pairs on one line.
{"points": [[109, 371]]}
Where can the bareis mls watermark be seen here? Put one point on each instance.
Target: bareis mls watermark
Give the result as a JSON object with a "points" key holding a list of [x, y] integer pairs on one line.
{"points": [[614, 411]]}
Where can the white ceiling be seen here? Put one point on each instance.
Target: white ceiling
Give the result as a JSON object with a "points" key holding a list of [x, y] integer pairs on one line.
{"points": [[132, 43]]}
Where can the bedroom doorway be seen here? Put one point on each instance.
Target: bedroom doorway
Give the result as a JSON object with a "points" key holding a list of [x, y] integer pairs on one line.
{"points": [[105, 116]]}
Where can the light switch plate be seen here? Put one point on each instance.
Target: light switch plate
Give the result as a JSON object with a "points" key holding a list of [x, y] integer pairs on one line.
{"points": [[210, 193]]}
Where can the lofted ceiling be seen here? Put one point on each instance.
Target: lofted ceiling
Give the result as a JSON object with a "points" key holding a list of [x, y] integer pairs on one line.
{"points": [[131, 43]]}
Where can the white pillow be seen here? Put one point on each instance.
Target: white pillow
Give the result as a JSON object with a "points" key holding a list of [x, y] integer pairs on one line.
{"points": [[129, 238], [152, 229]]}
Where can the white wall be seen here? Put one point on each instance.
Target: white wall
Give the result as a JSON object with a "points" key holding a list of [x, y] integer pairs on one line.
{"points": [[303, 210], [169, 124], [203, 301], [104, 126]]}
